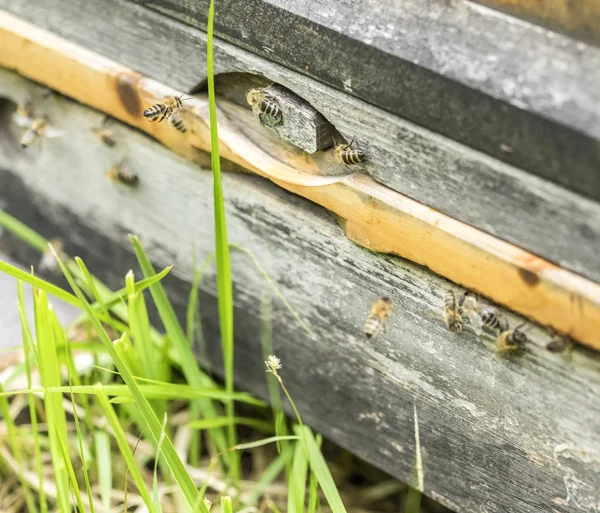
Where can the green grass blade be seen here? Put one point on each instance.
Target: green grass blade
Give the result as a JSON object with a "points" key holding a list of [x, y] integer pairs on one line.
{"points": [[263, 441], [30, 359], [194, 376], [153, 426], [319, 467], [124, 449], [271, 473], [226, 506], [15, 446], [225, 286], [103, 466], [50, 376], [297, 481], [313, 487], [258, 424], [22, 231]]}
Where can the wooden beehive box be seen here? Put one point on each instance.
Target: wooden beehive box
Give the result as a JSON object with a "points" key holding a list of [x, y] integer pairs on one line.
{"points": [[482, 137]]}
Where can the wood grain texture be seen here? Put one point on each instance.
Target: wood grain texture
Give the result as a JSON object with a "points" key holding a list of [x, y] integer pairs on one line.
{"points": [[518, 434], [471, 73], [578, 19], [554, 223], [378, 217]]}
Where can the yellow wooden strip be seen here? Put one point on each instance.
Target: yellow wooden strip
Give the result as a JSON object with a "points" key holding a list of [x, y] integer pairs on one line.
{"points": [[376, 217]]}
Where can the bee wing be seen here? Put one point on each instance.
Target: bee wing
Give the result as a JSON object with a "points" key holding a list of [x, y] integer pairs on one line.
{"points": [[21, 120], [51, 132], [152, 100]]}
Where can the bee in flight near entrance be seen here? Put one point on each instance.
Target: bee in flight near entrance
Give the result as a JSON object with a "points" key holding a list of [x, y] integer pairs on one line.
{"points": [[37, 128], [164, 109], [120, 173], [264, 106], [511, 339], [378, 318], [451, 313], [346, 155], [178, 123]]}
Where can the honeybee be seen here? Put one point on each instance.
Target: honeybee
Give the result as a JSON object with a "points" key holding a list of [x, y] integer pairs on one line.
{"points": [[469, 308], [120, 173], [559, 343], [378, 318], [105, 135], [451, 314], [348, 156], [178, 123], [491, 321], [48, 262], [36, 127], [264, 104], [511, 339], [165, 109]]}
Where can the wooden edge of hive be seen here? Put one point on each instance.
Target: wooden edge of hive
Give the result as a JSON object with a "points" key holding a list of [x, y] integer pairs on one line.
{"points": [[377, 217]]}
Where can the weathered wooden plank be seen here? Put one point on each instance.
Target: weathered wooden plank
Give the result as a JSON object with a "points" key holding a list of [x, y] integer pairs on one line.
{"points": [[375, 216], [518, 434], [578, 19], [473, 74], [553, 223]]}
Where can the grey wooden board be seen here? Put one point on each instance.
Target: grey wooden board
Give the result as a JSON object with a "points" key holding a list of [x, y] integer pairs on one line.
{"points": [[10, 323], [469, 72], [552, 222], [519, 434]]}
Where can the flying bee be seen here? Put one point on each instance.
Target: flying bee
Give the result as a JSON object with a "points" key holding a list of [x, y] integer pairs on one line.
{"points": [[36, 129], [120, 173], [378, 318], [451, 314], [348, 156], [178, 123], [511, 339], [264, 105], [165, 109]]}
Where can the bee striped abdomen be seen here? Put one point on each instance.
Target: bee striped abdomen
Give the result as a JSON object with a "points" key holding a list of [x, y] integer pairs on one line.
{"points": [[492, 322], [352, 157], [270, 108], [372, 326], [155, 112], [178, 123], [451, 315], [123, 175]]}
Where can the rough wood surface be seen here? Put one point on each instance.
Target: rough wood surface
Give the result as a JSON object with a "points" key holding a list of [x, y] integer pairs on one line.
{"points": [[557, 225], [375, 216], [518, 434], [471, 73], [579, 19]]}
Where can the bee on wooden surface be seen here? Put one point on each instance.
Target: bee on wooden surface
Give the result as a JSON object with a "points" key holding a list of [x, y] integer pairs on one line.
{"points": [[451, 314], [559, 343], [511, 339], [104, 134], [48, 261], [120, 173], [469, 308], [178, 123], [492, 321], [378, 318], [164, 109], [37, 128], [346, 155], [264, 104]]}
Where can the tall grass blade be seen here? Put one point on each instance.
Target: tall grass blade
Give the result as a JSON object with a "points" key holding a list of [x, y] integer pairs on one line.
{"points": [[319, 467], [225, 286]]}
